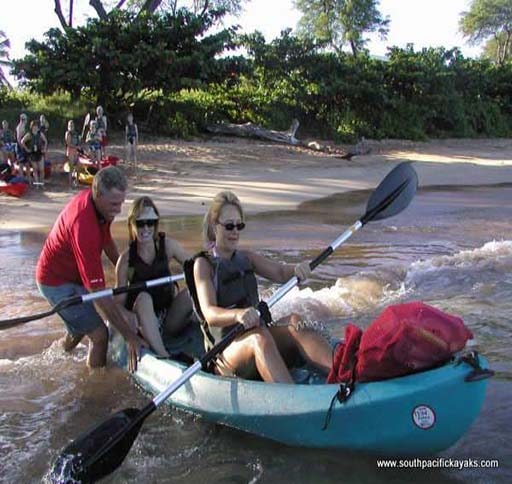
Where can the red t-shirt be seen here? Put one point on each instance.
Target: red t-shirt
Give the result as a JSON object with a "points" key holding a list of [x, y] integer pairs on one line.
{"points": [[72, 251]]}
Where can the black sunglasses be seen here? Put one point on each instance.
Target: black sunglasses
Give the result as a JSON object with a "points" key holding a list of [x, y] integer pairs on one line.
{"points": [[147, 223], [231, 226]]}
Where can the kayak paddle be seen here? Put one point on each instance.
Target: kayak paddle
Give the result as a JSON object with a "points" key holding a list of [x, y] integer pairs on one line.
{"points": [[71, 301], [102, 449]]}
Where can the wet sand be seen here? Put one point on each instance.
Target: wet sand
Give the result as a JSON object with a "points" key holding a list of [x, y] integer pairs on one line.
{"points": [[183, 176]]}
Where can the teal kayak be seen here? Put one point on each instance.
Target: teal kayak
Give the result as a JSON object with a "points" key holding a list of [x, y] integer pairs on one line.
{"points": [[417, 414]]}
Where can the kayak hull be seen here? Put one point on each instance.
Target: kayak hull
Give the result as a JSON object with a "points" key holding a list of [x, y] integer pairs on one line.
{"points": [[14, 189], [418, 414]]}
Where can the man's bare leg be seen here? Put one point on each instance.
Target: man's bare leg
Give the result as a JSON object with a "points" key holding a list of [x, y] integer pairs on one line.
{"points": [[70, 342], [98, 344]]}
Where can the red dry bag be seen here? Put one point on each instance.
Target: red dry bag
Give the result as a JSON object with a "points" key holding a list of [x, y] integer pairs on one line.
{"points": [[405, 338]]}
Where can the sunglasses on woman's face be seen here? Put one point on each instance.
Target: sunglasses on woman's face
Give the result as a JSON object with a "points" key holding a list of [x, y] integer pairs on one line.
{"points": [[145, 223], [231, 226]]}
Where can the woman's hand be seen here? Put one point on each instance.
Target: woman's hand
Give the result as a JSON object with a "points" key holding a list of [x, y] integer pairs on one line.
{"points": [[248, 318], [302, 271]]}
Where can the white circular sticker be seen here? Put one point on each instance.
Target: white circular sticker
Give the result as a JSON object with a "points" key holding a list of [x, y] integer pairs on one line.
{"points": [[423, 417]]}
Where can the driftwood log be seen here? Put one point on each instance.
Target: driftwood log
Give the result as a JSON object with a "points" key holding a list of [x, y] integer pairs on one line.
{"points": [[250, 130]]}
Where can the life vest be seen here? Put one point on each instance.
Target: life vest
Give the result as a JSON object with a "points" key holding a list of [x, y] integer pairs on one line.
{"points": [[74, 138], [100, 124], [131, 130], [6, 136], [139, 271], [235, 287], [34, 143]]}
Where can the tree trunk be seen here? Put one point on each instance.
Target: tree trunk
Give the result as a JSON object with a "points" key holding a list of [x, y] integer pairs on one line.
{"points": [[70, 13], [150, 5], [100, 9], [354, 48], [60, 15], [250, 130]]}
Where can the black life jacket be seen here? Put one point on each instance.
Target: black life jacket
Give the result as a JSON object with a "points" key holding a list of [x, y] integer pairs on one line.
{"points": [[74, 138], [100, 124], [235, 287], [34, 143], [131, 130], [139, 271], [7, 136]]}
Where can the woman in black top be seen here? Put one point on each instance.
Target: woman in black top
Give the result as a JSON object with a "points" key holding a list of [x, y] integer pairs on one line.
{"points": [[162, 308]]}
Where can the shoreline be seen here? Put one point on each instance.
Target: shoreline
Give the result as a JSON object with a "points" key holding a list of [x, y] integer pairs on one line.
{"points": [[183, 176]]}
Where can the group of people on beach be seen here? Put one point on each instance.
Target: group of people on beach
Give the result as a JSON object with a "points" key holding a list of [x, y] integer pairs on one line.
{"points": [[23, 154], [223, 294]]}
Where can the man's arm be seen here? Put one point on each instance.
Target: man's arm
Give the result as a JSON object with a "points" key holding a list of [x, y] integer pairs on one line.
{"points": [[112, 252], [112, 312]]}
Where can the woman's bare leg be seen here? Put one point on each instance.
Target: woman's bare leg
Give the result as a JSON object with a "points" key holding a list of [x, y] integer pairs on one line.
{"points": [[313, 347], [148, 321], [257, 349], [179, 314]]}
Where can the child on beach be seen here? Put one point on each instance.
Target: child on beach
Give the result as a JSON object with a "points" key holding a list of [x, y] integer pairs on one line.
{"points": [[22, 162], [34, 144], [101, 126], [72, 140], [132, 140], [7, 144], [93, 140]]}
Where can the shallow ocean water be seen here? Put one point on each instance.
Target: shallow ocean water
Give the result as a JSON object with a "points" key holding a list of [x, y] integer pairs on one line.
{"points": [[451, 248]]}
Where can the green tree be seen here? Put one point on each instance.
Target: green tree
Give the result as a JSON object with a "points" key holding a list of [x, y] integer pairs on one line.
{"points": [[490, 21], [4, 58], [494, 48], [64, 9], [124, 55], [340, 22]]}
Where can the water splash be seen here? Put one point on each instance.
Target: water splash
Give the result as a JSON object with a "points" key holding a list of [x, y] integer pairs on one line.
{"points": [[479, 270]]}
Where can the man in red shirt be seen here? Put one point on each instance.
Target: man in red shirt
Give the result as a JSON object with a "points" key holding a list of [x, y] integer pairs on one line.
{"points": [[70, 264]]}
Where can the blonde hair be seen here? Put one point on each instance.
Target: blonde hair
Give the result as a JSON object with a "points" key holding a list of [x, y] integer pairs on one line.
{"points": [[211, 217], [136, 209]]}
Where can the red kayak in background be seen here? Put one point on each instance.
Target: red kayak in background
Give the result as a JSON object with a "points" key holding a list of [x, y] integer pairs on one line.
{"points": [[14, 189]]}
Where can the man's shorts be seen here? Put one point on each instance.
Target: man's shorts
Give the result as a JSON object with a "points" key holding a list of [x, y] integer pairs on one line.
{"points": [[80, 319]]}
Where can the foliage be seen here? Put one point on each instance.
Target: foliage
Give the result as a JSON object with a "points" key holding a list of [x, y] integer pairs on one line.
{"points": [[58, 109], [413, 94], [340, 22], [105, 8], [491, 21], [125, 55]]}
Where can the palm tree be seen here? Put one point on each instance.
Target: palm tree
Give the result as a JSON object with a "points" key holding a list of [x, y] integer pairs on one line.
{"points": [[5, 44]]}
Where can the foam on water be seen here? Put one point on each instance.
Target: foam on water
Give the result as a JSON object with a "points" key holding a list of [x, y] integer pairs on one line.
{"points": [[480, 270]]}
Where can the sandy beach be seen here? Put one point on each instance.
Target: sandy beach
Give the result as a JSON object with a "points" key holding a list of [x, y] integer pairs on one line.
{"points": [[182, 176]]}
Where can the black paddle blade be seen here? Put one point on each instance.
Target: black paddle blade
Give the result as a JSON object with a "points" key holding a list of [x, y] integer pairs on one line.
{"points": [[10, 323], [393, 194], [98, 452]]}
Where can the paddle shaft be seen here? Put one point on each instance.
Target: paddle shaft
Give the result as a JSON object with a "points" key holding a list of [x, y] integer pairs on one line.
{"points": [[161, 397], [73, 300], [367, 217]]}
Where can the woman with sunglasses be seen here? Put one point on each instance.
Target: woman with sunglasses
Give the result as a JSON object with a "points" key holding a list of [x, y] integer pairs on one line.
{"points": [[159, 309], [226, 293]]}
